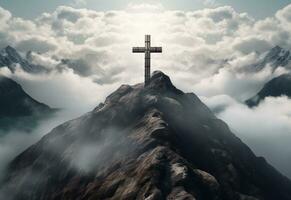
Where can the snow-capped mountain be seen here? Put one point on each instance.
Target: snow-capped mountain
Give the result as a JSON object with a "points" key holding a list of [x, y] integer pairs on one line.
{"points": [[9, 57], [276, 57]]}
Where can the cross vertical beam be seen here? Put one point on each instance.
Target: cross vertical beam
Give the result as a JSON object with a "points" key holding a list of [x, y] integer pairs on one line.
{"points": [[147, 50], [147, 59]]}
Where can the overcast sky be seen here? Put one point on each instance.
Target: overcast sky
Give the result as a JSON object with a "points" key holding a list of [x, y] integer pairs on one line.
{"points": [[32, 8]]}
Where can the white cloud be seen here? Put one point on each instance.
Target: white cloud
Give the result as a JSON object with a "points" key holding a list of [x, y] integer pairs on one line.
{"points": [[64, 89], [37, 44], [78, 3], [4, 15], [13, 142], [145, 8], [284, 14], [206, 50], [252, 44], [266, 128]]}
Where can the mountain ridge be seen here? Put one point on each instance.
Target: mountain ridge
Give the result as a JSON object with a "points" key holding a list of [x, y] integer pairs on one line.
{"points": [[16, 106], [9, 57], [276, 57], [144, 143], [278, 86]]}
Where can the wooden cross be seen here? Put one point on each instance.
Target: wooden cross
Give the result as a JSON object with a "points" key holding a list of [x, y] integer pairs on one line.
{"points": [[147, 50]]}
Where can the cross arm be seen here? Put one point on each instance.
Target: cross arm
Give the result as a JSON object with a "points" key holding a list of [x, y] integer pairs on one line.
{"points": [[138, 49], [156, 49]]}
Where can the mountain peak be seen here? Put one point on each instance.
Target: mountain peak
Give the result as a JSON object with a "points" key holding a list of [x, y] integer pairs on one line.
{"points": [[276, 87], [278, 52], [9, 48], [12, 52], [160, 82], [158, 78], [153, 142], [16, 102], [9, 57], [276, 57], [159, 74], [276, 48]]}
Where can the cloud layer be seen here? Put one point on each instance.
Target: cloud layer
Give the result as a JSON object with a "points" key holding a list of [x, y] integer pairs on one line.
{"points": [[266, 128], [196, 44]]}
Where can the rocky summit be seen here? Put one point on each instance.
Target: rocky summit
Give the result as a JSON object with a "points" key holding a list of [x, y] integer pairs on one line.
{"points": [[144, 143]]}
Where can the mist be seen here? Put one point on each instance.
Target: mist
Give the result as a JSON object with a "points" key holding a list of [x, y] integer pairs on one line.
{"points": [[266, 129], [15, 141]]}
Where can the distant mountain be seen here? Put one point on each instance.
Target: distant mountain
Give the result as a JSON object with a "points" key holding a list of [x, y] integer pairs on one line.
{"points": [[276, 57], [150, 143], [276, 87], [10, 58], [16, 106]]}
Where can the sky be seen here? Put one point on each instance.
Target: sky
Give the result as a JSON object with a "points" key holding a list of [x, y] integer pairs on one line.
{"points": [[208, 48], [32, 8]]}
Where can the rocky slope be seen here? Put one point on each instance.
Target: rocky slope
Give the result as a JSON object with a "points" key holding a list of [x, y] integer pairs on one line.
{"points": [[278, 86], [16, 106], [144, 143]]}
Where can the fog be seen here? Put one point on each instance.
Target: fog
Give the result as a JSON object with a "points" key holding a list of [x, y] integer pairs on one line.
{"points": [[266, 128], [15, 141]]}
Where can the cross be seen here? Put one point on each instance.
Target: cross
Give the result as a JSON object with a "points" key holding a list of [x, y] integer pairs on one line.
{"points": [[147, 50]]}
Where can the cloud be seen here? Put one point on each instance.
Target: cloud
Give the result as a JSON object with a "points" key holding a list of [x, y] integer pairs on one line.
{"points": [[210, 3], [252, 45], [196, 43], [266, 128], [145, 8], [67, 13], [39, 45], [285, 14], [4, 15], [209, 51], [78, 3], [65, 89], [14, 142], [239, 85]]}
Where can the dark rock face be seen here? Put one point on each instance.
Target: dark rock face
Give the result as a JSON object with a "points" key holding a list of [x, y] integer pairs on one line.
{"points": [[144, 143], [276, 87], [15, 103]]}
